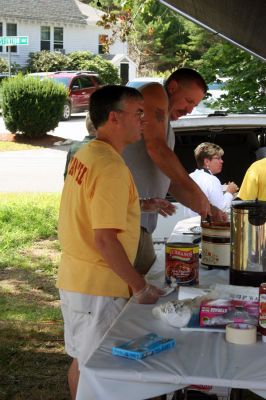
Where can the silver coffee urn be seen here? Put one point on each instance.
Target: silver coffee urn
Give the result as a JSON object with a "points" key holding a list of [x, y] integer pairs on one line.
{"points": [[248, 243]]}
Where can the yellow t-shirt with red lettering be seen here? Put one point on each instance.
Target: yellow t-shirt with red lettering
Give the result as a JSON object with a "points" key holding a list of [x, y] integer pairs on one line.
{"points": [[99, 193], [254, 183]]}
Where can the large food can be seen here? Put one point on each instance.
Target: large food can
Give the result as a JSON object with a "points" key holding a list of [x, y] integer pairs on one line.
{"points": [[182, 263]]}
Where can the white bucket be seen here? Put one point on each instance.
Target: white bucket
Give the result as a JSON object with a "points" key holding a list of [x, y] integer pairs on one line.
{"points": [[215, 242]]}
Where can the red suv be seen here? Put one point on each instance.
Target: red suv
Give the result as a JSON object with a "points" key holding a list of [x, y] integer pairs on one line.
{"points": [[81, 85]]}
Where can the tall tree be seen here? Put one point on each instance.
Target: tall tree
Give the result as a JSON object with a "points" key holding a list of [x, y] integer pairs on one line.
{"points": [[246, 77], [158, 38]]}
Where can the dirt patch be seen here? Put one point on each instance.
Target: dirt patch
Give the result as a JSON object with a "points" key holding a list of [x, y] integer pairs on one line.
{"points": [[44, 248], [44, 141]]}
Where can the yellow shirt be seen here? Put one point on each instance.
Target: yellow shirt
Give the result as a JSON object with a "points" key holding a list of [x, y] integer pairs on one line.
{"points": [[254, 184], [99, 193]]}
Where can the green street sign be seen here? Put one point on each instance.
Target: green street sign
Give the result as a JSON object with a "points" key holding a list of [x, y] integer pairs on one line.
{"points": [[14, 40]]}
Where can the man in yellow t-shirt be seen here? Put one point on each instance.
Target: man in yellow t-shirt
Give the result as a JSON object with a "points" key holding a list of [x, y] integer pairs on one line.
{"points": [[99, 224], [254, 183]]}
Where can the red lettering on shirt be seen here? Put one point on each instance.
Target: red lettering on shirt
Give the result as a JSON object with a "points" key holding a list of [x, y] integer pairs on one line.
{"points": [[73, 165], [77, 170], [81, 173]]}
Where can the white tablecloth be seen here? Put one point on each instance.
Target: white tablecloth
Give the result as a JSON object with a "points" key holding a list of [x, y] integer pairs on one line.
{"points": [[199, 357]]}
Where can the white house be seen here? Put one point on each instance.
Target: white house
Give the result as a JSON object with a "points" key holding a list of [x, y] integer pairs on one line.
{"points": [[59, 25]]}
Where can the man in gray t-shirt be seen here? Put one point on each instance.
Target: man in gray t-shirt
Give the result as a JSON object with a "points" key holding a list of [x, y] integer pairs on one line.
{"points": [[152, 161]]}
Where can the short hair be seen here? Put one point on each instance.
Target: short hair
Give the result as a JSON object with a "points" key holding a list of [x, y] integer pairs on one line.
{"points": [[187, 75], [206, 150], [108, 99]]}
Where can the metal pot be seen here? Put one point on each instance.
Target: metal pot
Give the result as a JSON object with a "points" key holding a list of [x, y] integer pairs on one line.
{"points": [[215, 244], [248, 243]]}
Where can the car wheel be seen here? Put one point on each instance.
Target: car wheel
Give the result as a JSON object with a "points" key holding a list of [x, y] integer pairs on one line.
{"points": [[66, 112]]}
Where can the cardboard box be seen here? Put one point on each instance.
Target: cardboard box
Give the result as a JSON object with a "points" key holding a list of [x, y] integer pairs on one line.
{"points": [[220, 312]]}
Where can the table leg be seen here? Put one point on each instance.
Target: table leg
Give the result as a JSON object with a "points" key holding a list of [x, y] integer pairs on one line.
{"points": [[237, 394], [179, 395]]}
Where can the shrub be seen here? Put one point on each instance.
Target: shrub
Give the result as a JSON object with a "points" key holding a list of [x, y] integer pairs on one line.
{"points": [[45, 61], [77, 59], [4, 66], [32, 106], [84, 60]]}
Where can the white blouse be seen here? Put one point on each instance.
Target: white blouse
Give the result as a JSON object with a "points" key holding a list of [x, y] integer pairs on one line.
{"points": [[211, 186]]}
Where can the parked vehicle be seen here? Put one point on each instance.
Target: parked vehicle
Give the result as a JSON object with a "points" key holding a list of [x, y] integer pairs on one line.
{"points": [[138, 82], [81, 85], [242, 136], [40, 75]]}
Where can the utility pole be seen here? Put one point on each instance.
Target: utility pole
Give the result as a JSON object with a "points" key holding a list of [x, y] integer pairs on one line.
{"points": [[9, 61]]}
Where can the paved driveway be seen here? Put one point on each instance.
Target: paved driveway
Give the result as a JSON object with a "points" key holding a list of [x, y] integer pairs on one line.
{"points": [[39, 170]]}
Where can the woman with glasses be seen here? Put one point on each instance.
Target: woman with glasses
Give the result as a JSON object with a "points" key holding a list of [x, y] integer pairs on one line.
{"points": [[209, 161]]}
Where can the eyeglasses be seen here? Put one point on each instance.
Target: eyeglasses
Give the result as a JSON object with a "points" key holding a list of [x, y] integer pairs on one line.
{"points": [[139, 114]]}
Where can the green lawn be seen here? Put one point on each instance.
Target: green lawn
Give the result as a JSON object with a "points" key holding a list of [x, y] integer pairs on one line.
{"points": [[11, 146], [33, 364]]}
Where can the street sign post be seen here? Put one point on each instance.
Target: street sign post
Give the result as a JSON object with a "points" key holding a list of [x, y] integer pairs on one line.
{"points": [[13, 41]]}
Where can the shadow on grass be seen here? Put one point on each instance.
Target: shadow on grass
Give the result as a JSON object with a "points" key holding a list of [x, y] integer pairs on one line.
{"points": [[23, 142], [27, 295], [32, 362]]}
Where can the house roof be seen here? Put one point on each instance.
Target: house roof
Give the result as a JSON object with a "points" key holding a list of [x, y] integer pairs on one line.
{"points": [[60, 11], [117, 58], [92, 14]]}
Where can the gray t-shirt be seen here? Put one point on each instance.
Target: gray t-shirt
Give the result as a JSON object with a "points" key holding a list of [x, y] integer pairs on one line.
{"points": [[149, 179]]}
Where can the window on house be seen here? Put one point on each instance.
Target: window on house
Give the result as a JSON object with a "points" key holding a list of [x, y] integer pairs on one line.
{"points": [[58, 39], [102, 44], [45, 38], [1, 34], [11, 30]]}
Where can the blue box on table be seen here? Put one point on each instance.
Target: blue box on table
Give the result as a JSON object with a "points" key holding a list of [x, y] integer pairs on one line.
{"points": [[143, 346]]}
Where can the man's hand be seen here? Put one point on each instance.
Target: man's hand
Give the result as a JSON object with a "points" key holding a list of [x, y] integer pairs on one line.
{"points": [[160, 206], [218, 215], [148, 295], [202, 206], [232, 187]]}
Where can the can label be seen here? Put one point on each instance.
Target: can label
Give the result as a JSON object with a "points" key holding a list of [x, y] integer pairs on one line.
{"points": [[181, 263]]}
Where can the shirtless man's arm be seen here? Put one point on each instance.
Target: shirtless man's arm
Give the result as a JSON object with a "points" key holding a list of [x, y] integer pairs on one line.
{"points": [[183, 188]]}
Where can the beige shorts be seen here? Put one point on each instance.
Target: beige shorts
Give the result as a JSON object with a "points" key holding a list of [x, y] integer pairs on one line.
{"points": [[86, 320]]}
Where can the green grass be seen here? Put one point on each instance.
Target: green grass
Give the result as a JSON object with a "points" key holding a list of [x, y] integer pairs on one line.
{"points": [[24, 220], [29, 256], [11, 146], [33, 364]]}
